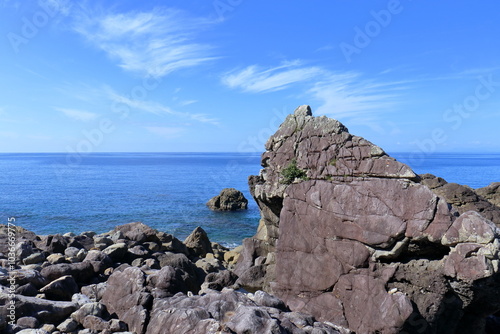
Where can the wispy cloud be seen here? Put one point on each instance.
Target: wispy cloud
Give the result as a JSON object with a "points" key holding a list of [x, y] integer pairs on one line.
{"points": [[348, 95], [153, 43], [328, 47], [339, 94], [164, 131], [156, 108], [256, 79], [78, 115], [187, 102]]}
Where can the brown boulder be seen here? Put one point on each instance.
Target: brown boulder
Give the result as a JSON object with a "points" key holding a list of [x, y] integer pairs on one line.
{"points": [[137, 232], [462, 197], [491, 193], [229, 199], [198, 243]]}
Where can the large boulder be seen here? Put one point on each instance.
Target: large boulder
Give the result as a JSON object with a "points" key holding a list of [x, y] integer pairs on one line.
{"points": [[463, 198], [82, 272], [62, 288], [354, 237], [491, 193], [126, 296], [198, 243], [20, 234], [54, 243], [46, 311], [229, 199], [137, 232]]}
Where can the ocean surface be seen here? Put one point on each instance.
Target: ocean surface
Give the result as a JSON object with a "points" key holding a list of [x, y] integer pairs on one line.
{"points": [[56, 193]]}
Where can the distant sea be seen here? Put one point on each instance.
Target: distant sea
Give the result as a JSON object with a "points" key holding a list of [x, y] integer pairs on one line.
{"points": [[54, 193]]}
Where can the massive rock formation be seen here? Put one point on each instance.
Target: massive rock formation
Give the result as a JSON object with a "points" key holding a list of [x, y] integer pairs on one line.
{"points": [[354, 237]]}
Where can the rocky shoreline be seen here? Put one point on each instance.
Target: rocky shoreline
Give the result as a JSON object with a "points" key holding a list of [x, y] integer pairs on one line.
{"points": [[134, 279], [350, 241]]}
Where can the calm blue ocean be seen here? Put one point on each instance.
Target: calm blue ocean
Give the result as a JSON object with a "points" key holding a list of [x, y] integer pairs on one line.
{"points": [[167, 191]]}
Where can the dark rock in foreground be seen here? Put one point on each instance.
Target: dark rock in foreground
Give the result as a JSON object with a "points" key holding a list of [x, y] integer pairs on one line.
{"points": [[354, 237], [229, 199]]}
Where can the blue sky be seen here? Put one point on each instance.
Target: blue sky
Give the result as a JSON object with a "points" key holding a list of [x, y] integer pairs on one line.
{"points": [[193, 76]]}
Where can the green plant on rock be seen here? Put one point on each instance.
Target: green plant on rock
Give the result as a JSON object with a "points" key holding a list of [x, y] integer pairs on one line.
{"points": [[292, 172]]}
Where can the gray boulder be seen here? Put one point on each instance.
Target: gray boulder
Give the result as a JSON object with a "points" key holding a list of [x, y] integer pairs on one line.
{"points": [[82, 272], [68, 326], [24, 276], [62, 288], [167, 282], [28, 322], [46, 311], [126, 295], [95, 323], [94, 309], [21, 236], [34, 258]]}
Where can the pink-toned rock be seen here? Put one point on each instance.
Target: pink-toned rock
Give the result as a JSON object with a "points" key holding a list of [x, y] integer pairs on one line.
{"points": [[126, 296], [466, 262], [357, 238], [470, 227]]}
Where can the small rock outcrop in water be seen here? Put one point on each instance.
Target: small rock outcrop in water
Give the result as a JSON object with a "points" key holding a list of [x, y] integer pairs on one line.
{"points": [[361, 241], [229, 199]]}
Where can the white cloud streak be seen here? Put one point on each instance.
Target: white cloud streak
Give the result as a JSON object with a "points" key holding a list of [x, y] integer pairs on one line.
{"points": [[255, 79], [153, 43], [157, 108], [339, 94], [187, 102], [347, 95], [78, 115]]}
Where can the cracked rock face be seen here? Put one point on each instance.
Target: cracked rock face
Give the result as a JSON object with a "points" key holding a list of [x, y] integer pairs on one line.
{"points": [[358, 240]]}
